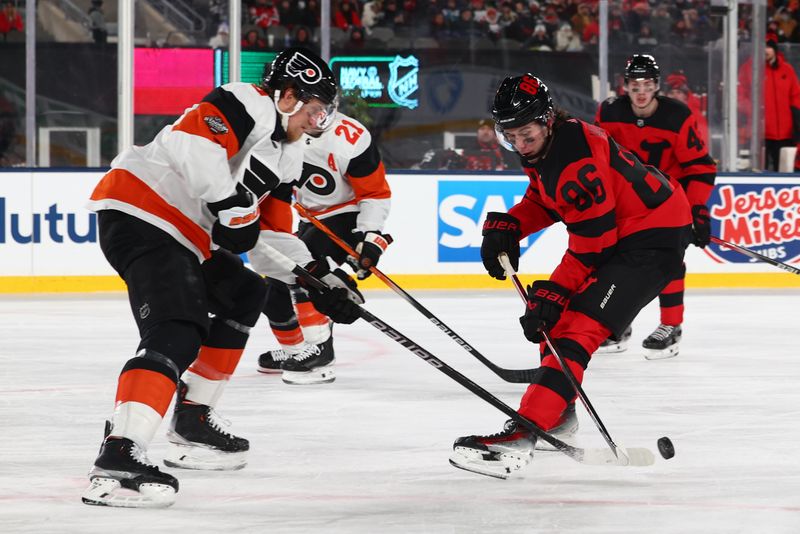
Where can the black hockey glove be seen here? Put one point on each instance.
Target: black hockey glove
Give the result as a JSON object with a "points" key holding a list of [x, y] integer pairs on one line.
{"points": [[236, 228], [340, 300], [370, 247], [501, 233], [701, 225], [546, 301]]}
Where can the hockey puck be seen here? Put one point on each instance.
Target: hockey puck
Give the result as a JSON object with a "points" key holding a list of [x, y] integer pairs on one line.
{"points": [[666, 448]]}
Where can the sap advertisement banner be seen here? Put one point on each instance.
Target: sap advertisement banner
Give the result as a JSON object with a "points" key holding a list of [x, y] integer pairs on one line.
{"points": [[45, 229]]}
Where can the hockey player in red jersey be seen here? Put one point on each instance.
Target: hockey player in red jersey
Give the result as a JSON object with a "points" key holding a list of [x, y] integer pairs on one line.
{"points": [[628, 228], [343, 184], [172, 216], [664, 133]]}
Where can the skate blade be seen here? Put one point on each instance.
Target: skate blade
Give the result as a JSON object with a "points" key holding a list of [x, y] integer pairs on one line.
{"points": [[320, 375], [109, 492], [269, 370], [500, 466], [614, 348], [203, 458], [669, 352]]}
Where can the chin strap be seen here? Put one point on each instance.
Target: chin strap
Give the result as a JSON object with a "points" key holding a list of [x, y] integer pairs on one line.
{"points": [[285, 116]]}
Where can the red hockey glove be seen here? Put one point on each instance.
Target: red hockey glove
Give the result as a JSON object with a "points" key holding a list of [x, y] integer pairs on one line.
{"points": [[501, 233], [546, 301]]}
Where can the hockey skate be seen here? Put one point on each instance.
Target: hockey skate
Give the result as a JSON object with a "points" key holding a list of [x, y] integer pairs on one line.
{"points": [[122, 476], [614, 345], [198, 440], [565, 429], [497, 455], [271, 361], [314, 365], [663, 342]]}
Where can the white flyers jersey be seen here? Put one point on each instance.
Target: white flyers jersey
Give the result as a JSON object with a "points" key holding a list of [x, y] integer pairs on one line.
{"points": [[343, 172], [233, 135]]}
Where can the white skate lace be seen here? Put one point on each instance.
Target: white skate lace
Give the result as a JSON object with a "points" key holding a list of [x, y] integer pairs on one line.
{"points": [[140, 456], [662, 332], [218, 423], [279, 355], [309, 352]]}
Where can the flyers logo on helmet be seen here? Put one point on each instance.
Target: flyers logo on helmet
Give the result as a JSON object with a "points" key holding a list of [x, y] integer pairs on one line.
{"points": [[299, 66], [530, 85]]}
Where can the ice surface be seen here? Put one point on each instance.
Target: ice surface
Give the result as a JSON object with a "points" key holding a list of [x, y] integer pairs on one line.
{"points": [[368, 453]]}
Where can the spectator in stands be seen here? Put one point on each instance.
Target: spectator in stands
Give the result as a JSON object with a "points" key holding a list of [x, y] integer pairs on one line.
{"points": [[288, 14], [636, 16], [97, 22], [301, 36], [582, 18], [645, 37], [356, 40], [491, 23], [661, 23], [566, 40], [485, 152], [310, 15], [222, 38], [372, 14], [264, 14], [508, 17], [345, 16], [466, 25], [440, 29], [451, 12], [781, 105], [394, 16], [677, 86], [787, 24], [478, 8], [522, 28], [591, 33], [550, 20], [253, 41], [540, 40]]}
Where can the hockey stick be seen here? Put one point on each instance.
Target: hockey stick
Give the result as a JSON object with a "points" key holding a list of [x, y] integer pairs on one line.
{"points": [[618, 451], [755, 255], [635, 457], [518, 376]]}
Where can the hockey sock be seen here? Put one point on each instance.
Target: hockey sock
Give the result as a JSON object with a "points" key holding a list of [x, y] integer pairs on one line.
{"points": [[316, 327], [216, 362], [671, 300]]}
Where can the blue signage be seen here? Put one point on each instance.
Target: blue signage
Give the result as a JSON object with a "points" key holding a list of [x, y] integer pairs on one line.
{"points": [[462, 208]]}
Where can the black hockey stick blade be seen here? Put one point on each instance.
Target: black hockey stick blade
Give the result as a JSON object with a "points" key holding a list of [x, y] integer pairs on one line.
{"points": [[517, 376], [756, 256]]}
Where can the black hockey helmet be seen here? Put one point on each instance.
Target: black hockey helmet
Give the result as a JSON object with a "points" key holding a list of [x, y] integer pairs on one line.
{"points": [[305, 71], [520, 100], [642, 67]]}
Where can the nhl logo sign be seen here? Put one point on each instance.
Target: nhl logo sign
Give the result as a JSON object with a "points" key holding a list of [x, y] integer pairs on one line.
{"points": [[762, 217], [404, 83]]}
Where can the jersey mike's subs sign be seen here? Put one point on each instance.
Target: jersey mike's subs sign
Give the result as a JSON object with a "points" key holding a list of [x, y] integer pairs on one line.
{"points": [[763, 216]]}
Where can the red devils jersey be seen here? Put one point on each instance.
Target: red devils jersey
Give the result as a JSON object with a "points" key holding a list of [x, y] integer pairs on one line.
{"points": [[605, 196], [668, 140]]}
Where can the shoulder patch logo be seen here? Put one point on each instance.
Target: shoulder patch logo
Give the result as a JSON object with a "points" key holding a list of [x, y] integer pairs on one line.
{"points": [[302, 67], [215, 124]]}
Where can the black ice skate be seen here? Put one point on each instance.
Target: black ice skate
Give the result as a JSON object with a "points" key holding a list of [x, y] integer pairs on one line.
{"points": [[663, 342], [614, 344], [314, 365], [271, 361], [122, 476], [566, 427], [496, 455], [198, 440]]}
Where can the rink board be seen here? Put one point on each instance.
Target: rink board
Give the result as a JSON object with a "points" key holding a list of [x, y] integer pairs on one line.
{"points": [[48, 240]]}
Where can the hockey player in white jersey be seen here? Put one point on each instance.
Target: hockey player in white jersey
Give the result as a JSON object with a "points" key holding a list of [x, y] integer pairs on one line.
{"points": [[343, 184], [167, 212]]}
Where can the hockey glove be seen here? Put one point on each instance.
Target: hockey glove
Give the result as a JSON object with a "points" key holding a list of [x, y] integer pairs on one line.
{"points": [[501, 233], [340, 300], [370, 247], [701, 225], [546, 301], [236, 228]]}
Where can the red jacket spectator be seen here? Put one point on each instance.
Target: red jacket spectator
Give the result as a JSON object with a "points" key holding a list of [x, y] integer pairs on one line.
{"points": [[346, 16], [781, 98], [265, 14], [10, 19]]}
